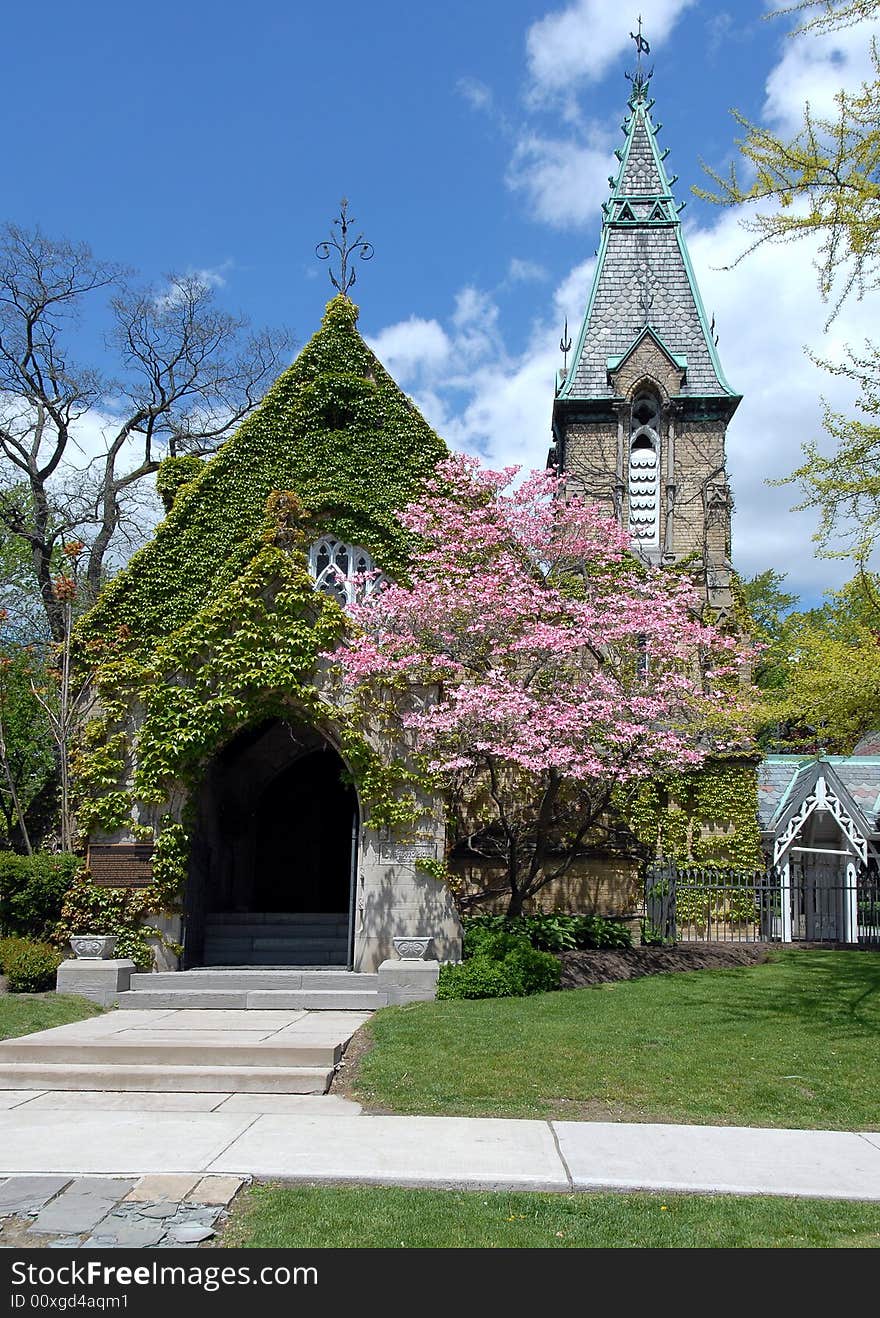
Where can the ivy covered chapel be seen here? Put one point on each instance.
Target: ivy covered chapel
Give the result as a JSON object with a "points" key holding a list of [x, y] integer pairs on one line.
{"points": [[229, 798]]}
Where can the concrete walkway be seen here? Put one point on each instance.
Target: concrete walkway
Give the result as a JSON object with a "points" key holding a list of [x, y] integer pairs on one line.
{"points": [[325, 1139]]}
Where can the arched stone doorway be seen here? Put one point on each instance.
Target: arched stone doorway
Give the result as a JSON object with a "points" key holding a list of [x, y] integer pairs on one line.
{"points": [[272, 857]]}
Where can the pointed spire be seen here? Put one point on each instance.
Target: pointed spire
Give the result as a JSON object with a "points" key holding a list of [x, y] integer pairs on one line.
{"points": [[643, 280]]}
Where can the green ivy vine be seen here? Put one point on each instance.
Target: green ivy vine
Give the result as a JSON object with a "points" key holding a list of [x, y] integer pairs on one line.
{"points": [[215, 624]]}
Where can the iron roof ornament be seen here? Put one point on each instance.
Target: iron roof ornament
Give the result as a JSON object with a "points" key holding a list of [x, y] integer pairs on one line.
{"points": [[640, 79], [347, 249], [565, 347]]}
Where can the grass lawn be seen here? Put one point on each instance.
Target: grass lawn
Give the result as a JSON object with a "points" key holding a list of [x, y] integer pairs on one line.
{"points": [[794, 1042], [307, 1217], [25, 1013]]}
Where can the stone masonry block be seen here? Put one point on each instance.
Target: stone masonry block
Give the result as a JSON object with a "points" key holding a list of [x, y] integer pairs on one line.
{"points": [[101, 981], [409, 981]]}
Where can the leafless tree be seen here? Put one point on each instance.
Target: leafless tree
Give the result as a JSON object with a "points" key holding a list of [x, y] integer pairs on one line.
{"points": [[184, 374]]}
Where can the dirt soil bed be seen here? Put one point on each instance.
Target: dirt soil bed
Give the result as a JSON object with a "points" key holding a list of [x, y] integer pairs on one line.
{"points": [[580, 969]]}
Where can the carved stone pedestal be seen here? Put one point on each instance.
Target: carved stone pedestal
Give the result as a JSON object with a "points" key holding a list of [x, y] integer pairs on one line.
{"points": [[101, 981], [409, 981]]}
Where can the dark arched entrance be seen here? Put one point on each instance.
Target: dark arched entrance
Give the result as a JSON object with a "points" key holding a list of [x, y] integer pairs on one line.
{"points": [[271, 869]]}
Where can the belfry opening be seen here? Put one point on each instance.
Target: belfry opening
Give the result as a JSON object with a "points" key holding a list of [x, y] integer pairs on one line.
{"points": [[271, 871]]}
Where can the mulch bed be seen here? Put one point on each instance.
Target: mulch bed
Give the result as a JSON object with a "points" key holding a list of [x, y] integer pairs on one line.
{"points": [[580, 969]]}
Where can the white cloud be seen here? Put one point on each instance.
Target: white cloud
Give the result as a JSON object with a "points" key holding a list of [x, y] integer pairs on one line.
{"points": [[475, 92], [579, 43], [525, 272], [813, 68], [411, 347], [563, 180]]}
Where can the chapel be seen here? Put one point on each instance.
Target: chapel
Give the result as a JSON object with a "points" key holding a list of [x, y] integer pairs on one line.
{"points": [[221, 765]]}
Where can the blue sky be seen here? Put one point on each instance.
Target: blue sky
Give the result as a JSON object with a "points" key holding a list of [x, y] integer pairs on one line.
{"points": [[474, 141]]}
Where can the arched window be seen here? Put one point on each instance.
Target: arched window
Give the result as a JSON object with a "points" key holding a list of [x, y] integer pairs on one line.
{"points": [[342, 570], [643, 486]]}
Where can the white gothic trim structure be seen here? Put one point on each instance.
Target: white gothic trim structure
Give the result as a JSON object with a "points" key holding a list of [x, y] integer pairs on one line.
{"points": [[347, 572]]}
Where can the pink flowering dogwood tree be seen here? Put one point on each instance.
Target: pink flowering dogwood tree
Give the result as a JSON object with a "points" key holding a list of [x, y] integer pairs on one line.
{"points": [[558, 668]]}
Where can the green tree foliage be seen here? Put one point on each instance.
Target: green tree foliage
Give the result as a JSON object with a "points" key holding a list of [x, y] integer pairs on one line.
{"points": [[820, 670], [27, 761], [824, 183]]}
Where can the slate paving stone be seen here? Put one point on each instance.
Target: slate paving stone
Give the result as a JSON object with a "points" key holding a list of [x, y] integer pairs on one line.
{"points": [[137, 1235], [157, 1210], [64, 1242], [28, 1194], [190, 1233], [85, 1203]]}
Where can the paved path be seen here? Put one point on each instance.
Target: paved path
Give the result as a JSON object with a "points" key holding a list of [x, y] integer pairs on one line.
{"points": [[326, 1139], [103, 1212]]}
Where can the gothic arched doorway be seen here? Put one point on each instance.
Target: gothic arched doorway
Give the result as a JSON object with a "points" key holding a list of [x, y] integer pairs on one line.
{"points": [[272, 857]]}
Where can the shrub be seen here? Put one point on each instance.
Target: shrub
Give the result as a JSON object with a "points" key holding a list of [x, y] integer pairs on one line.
{"points": [[556, 932], [30, 967], [500, 963], [480, 977], [32, 890], [8, 948], [539, 971]]}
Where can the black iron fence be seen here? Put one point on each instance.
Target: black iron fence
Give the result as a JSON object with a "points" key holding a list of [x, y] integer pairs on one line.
{"points": [[804, 901]]}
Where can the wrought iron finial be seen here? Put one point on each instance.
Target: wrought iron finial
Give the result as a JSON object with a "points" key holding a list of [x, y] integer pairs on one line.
{"points": [[640, 79], [565, 347], [347, 249]]}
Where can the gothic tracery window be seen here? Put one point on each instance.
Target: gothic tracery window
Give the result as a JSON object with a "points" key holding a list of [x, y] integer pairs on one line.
{"points": [[342, 570], [643, 485]]}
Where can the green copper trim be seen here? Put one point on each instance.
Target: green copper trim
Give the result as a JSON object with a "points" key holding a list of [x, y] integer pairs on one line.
{"points": [[565, 391], [643, 110], [701, 313], [678, 359]]}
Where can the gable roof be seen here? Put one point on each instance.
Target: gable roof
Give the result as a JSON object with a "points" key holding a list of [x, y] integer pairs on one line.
{"points": [[785, 781], [643, 259], [335, 430]]}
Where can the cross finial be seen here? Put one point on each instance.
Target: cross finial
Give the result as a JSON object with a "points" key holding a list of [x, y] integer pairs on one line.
{"points": [[639, 79], [347, 249]]}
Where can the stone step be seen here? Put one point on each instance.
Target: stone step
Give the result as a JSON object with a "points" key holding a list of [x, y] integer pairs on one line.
{"points": [[169, 1079], [245, 978], [302, 947], [248, 917], [306, 1053], [242, 999], [275, 933]]}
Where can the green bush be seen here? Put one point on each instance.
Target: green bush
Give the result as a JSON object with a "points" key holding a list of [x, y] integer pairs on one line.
{"points": [[8, 948], [500, 962], [555, 932], [32, 890], [539, 972], [30, 967], [480, 977]]}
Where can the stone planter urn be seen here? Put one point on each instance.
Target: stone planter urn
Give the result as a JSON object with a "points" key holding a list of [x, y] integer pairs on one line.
{"points": [[93, 947], [413, 949]]}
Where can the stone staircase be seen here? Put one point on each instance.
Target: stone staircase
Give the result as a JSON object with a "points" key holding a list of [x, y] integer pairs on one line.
{"points": [[270, 1052], [267, 938], [245, 988]]}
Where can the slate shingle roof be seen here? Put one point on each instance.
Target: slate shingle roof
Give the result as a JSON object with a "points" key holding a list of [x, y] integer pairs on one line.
{"points": [[643, 250], [783, 779]]}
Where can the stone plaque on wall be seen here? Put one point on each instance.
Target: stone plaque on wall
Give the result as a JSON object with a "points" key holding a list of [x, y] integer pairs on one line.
{"points": [[406, 853], [122, 865]]}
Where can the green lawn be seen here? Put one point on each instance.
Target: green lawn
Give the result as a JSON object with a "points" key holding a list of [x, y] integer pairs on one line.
{"points": [[25, 1013], [794, 1042], [307, 1217]]}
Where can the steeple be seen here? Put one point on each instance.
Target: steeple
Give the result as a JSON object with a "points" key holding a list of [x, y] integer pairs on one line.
{"points": [[642, 405], [644, 278]]}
